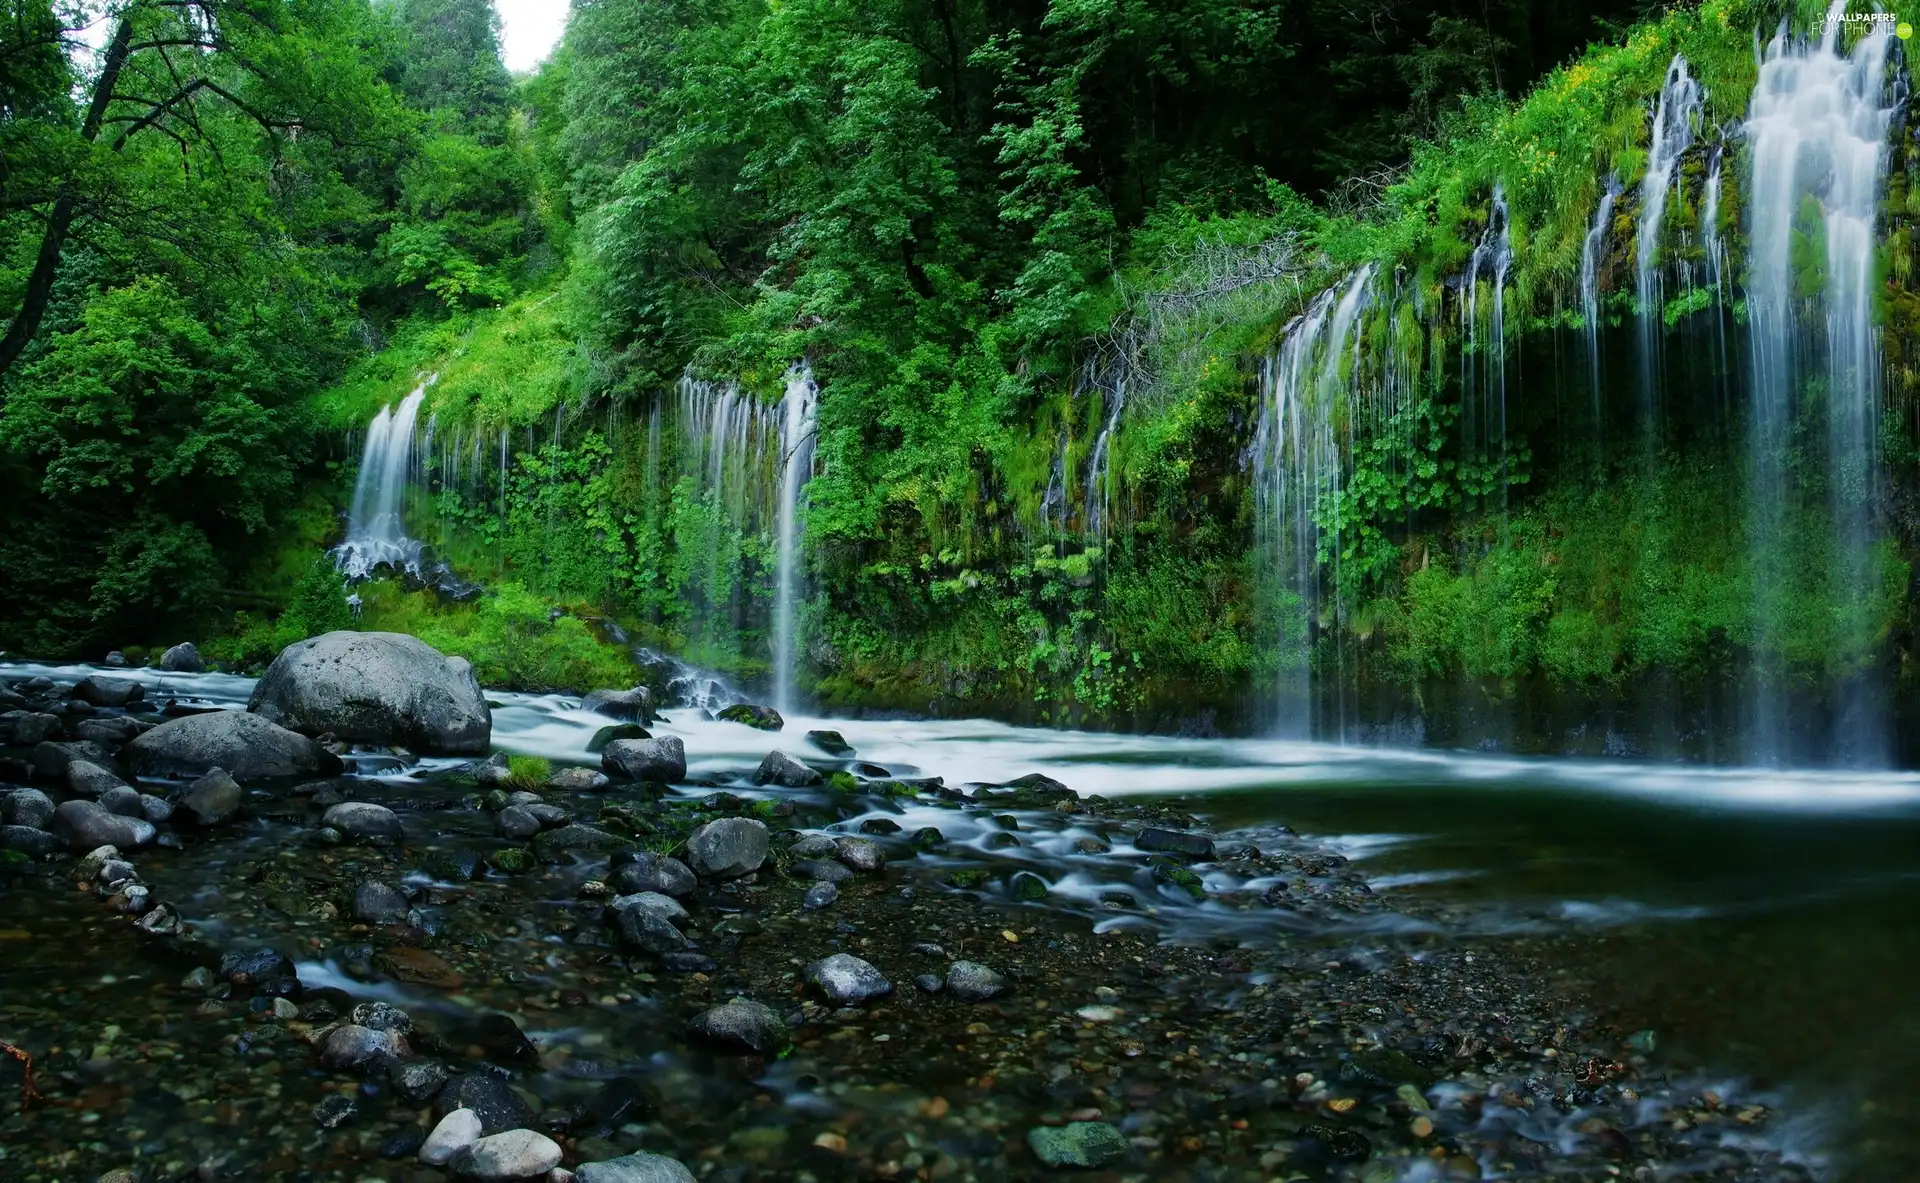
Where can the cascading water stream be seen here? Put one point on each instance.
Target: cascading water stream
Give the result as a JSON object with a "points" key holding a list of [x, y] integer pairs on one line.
{"points": [[1486, 400], [1114, 400], [1591, 251], [1675, 116], [1307, 387], [1817, 128], [376, 529], [798, 409]]}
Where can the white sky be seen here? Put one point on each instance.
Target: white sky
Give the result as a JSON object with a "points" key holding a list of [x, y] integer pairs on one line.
{"points": [[529, 29]]}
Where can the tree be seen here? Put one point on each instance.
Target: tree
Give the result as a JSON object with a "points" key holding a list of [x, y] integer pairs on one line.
{"points": [[167, 66]]}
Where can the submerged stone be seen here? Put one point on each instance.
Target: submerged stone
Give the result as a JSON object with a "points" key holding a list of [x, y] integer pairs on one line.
{"points": [[1088, 1144]]}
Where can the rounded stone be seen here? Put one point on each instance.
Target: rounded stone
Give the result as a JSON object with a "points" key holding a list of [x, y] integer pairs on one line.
{"points": [[741, 1025], [846, 980], [383, 688], [728, 848], [515, 1154], [973, 982]]}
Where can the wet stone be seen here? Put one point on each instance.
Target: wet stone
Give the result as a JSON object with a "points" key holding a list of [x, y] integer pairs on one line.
{"points": [[820, 871], [741, 1025], [758, 717], [85, 825], [457, 1129], [502, 1040], [379, 903], [246, 967], [382, 1016], [846, 980], [26, 840], [656, 761], [929, 983], [635, 1168], [616, 1103], [517, 823], [489, 1096], [879, 825], [973, 982], [1088, 1144], [861, 854], [27, 807], [647, 871], [365, 821], [728, 848], [514, 1154], [417, 1079], [123, 802], [579, 780], [353, 1048], [830, 742], [820, 895], [778, 768], [335, 1111], [1028, 886], [214, 799], [607, 735], [1158, 841], [88, 779]]}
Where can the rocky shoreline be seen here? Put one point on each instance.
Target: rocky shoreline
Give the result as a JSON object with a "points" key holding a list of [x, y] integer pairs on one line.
{"points": [[815, 969]]}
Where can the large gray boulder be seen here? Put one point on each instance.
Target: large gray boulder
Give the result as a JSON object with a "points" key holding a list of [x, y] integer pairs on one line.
{"points": [[728, 848], [661, 761], [87, 826], [249, 747], [182, 658], [635, 705], [384, 688]]}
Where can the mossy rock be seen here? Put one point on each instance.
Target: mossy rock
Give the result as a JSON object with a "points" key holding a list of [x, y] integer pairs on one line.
{"points": [[843, 782], [607, 735], [1029, 886], [760, 718], [513, 861], [966, 879], [1174, 875]]}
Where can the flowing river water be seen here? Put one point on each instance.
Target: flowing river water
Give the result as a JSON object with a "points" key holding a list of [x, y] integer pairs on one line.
{"points": [[1749, 935]]}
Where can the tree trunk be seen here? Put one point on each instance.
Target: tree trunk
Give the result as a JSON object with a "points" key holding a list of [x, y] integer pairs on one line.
{"points": [[46, 267]]}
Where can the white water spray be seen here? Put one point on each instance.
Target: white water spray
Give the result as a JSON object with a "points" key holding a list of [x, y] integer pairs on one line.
{"points": [[376, 529], [1675, 116], [798, 409]]}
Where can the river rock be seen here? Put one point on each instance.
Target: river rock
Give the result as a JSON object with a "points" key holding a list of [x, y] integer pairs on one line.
{"points": [[123, 801], [353, 1048], [741, 1025], [972, 982], [517, 823], [846, 980], [820, 895], [578, 780], [108, 692], [830, 742], [761, 718], [635, 705], [182, 659], [862, 854], [27, 840], [1089, 1144], [155, 809], [382, 688], [251, 967], [248, 746], [364, 820], [645, 929], [28, 728], [515, 1154], [1158, 841], [418, 1079], [639, 1167], [728, 848], [492, 771], [607, 735], [815, 846], [52, 758], [661, 761], [647, 871], [456, 1132], [488, 1095], [111, 731], [778, 768], [213, 799], [379, 903], [27, 807], [820, 871], [87, 779], [85, 825]]}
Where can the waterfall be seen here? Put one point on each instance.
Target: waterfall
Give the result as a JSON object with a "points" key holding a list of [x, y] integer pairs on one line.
{"points": [[1674, 117], [1053, 501], [1307, 387], [1113, 397], [1590, 253], [797, 416], [1817, 128], [376, 530], [1492, 257]]}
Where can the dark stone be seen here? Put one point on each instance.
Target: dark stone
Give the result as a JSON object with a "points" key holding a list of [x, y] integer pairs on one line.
{"points": [[830, 742], [607, 735], [29, 841], [502, 1040], [1158, 841], [247, 746], [364, 820], [620, 1101], [245, 967], [1321, 1143], [820, 895], [108, 692], [213, 799], [111, 732], [490, 1097], [635, 705], [846, 980], [741, 1025], [335, 1111], [379, 903], [973, 982], [879, 825], [647, 871], [515, 822], [861, 854], [645, 929], [761, 718], [86, 826], [688, 961], [820, 870], [28, 728], [728, 848], [27, 807], [123, 801], [417, 1079], [183, 659], [88, 779], [778, 768], [50, 759], [658, 761], [1087, 1144]]}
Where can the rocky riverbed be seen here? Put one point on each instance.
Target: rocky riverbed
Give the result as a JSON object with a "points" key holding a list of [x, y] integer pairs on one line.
{"points": [[802, 967]]}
